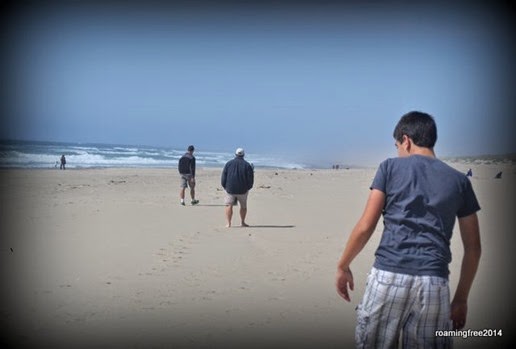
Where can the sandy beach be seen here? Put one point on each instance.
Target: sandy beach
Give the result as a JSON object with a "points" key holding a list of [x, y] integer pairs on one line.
{"points": [[107, 258]]}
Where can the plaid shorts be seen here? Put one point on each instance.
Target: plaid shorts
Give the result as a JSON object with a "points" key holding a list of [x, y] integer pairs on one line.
{"points": [[412, 306]]}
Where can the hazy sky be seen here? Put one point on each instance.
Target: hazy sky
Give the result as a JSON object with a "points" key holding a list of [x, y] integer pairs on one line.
{"points": [[313, 80]]}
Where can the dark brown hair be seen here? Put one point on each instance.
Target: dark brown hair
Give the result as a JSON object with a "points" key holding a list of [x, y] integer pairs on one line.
{"points": [[418, 126]]}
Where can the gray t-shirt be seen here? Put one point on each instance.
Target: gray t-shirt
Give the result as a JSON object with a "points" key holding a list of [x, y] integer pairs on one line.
{"points": [[423, 196]]}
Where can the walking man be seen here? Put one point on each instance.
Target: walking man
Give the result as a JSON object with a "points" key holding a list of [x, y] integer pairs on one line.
{"points": [[186, 167], [237, 179]]}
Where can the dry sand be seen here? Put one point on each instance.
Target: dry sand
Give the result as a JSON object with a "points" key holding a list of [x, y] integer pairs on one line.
{"points": [[108, 258]]}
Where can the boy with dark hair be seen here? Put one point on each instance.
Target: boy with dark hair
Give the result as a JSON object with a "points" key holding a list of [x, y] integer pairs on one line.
{"points": [[407, 289]]}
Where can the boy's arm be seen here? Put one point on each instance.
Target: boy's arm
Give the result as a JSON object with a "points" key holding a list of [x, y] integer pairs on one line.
{"points": [[357, 240], [470, 234]]}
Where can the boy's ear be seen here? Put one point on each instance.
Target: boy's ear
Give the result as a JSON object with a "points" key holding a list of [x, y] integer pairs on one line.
{"points": [[406, 143]]}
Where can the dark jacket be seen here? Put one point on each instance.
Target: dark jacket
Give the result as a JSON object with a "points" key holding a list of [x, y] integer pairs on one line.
{"points": [[237, 176], [186, 164]]}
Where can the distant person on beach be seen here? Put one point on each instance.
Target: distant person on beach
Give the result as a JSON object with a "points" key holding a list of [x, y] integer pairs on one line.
{"points": [[470, 173], [63, 163], [407, 288], [237, 179], [186, 168]]}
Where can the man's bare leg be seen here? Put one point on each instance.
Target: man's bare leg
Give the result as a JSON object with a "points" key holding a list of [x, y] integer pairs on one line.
{"points": [[192, 193], [243, 213], [229, 215], [182, 195]]}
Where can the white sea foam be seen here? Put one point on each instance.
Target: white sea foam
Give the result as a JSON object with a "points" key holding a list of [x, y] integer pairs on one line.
{"points": [[47, 155]]}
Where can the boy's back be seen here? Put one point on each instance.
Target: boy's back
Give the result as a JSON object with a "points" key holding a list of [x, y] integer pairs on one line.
{"points": [[423, 196]]}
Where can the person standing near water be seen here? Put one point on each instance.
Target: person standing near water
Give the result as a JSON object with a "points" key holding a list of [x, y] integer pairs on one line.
{"points": [[63, 163], [186, 168]]}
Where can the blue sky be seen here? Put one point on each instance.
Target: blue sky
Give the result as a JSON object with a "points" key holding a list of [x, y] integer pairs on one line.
{"points": [[316, 81]]}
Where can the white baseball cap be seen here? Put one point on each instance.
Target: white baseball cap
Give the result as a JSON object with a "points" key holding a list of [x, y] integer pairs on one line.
{"points": [[239, 152]]}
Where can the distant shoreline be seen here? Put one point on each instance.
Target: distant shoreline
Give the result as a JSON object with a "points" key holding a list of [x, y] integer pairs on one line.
{"points": [[482, 160]]}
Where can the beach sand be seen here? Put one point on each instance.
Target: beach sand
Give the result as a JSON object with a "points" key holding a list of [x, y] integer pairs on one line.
{"points": [[108, 258]]}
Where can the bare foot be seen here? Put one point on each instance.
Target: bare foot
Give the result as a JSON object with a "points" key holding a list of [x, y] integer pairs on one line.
{"points": [[228, 225], [243, 225]]}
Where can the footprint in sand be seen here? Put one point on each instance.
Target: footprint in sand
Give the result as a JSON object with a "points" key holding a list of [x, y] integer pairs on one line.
{"points": [[174, 254]]}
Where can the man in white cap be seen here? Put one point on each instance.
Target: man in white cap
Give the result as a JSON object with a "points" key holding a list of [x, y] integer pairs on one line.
{"points": [[237, 179]]}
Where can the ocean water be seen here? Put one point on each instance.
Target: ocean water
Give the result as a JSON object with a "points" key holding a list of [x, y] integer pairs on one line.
{"points": [[32, 154]]}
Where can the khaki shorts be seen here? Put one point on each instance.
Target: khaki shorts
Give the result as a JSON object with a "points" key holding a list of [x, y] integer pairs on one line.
{"points": [[231, 199], [187, 180]]}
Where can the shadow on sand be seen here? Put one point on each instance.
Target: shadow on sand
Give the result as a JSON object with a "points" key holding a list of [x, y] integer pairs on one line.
{"points": [[271, 226], [213, 205]]}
